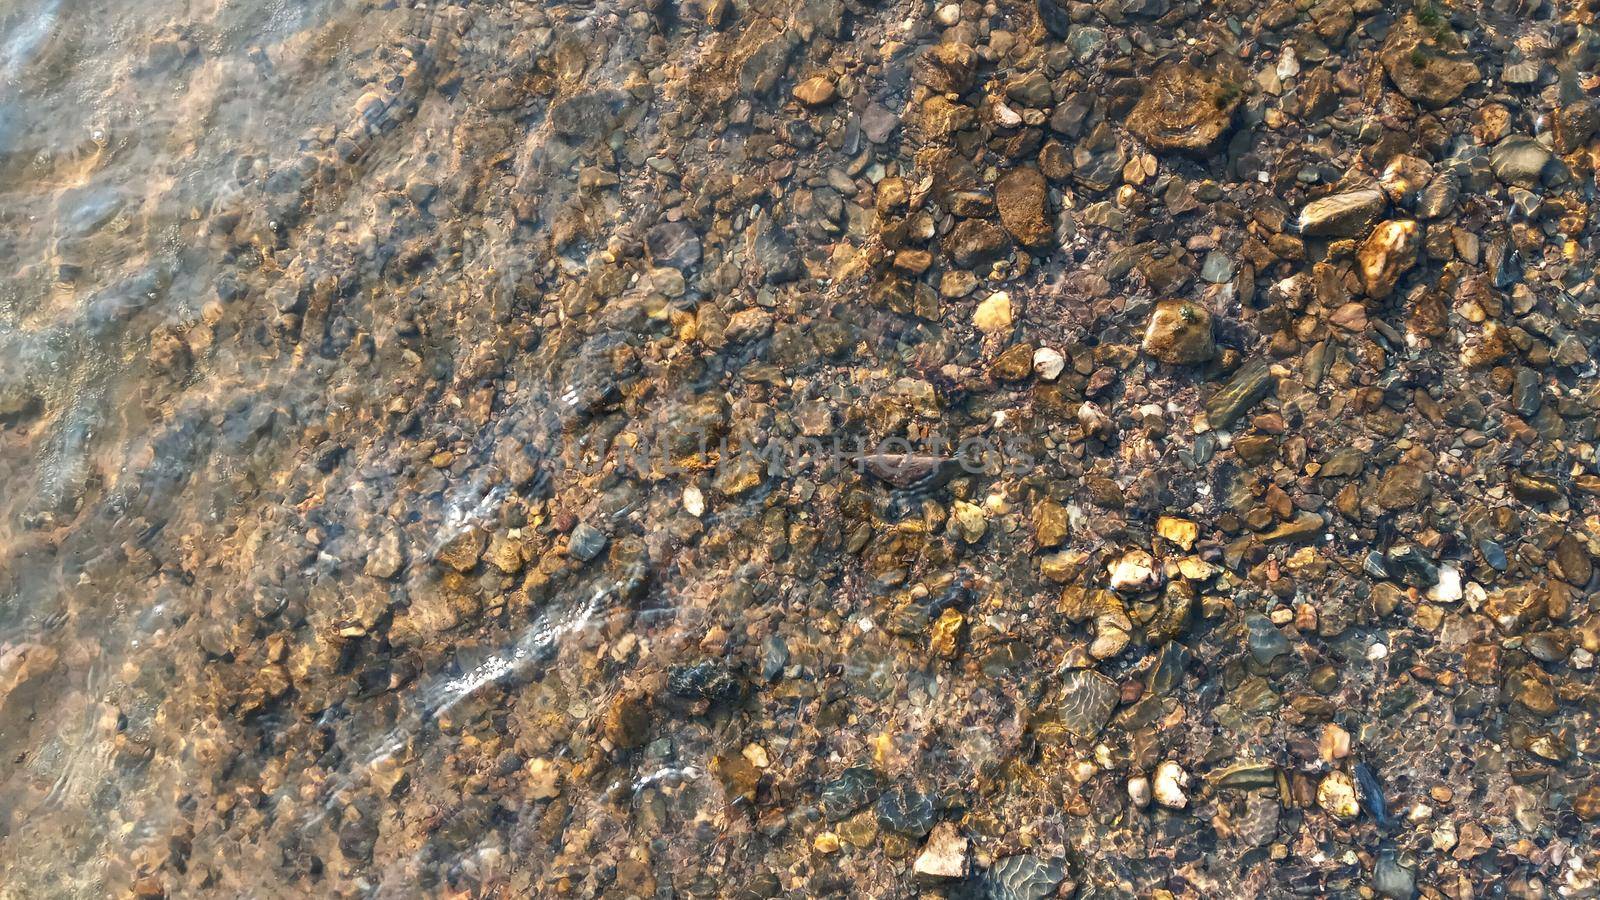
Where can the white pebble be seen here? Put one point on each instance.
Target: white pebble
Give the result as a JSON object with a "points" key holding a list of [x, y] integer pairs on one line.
{"points": [[1048, 364], [1170, 781], [1448, 590], [694, 502], [1139, 791]]}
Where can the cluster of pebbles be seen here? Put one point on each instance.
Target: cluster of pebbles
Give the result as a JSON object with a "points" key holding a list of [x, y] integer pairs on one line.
{"points": [[450, 538]]}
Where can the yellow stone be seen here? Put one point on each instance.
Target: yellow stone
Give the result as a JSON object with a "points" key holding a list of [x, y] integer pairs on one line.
{"points": [[1305, 556], [993, 314], [1195, 569], [1179, 531], [947, 634]]}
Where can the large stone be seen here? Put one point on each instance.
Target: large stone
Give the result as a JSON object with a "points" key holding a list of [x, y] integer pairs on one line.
{"points": [[975, 242], [765, 62], [1087, 701], [22, 663], [462, 550], [1265, 641], [1337, 795], [1020, 196], [1574, 123], [1249, 386], [1184, 108], [1404, 177], [1427, 62], [1179, 333], [673, 244], [1402, 486], [993, 315], [1388, 253], [944, 857], [1438, 199], [1055, 17], [1025, 877], [1520, 160], [947, 68], [1345, 214], [818, 90]]}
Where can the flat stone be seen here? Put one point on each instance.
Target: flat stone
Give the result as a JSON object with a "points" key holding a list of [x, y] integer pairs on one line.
{"points": [[943, 857], [1342, 215], [947, 68], [1184, 108], [1249, 386], [1402, 487], [674, 244], [974, 243], [461, 552], [1025, 876], [1427, 64], [1305, 526], [1020, 196], [1520, 160], [993, 315], [585, 542], [1337, 796], [1266, 642], [818, 90], [1087, 701], [1574, 123]]}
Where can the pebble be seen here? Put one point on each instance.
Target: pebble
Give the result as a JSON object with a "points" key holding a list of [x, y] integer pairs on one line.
{"points": [[1139, 791], [1169, 785], [1336, 794], [1180, 333], [1048, 364], [586, 542], [993, 315], [1342, 215], [694, 503], [944, 856], [1134, 571]]}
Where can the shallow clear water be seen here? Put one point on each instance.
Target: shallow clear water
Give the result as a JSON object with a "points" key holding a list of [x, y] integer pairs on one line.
{"points": [[392, 397]]}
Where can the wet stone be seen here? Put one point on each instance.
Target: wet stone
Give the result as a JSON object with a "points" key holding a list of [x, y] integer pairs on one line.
{"points": [[586, 542], [462, 551], [1184, 108], [1520, 160], [944, 857], [906, 810], [853, 789], [1438, 199], [1427, 61], [1267, 643], [1025, 877], [1020, 198], [1387, 254], [1248, 386], [1180, 333], [1342, 215], [948, 68], [674, 244], [1087, 701], [1391, 879], [974, 243], [708, 680]]}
